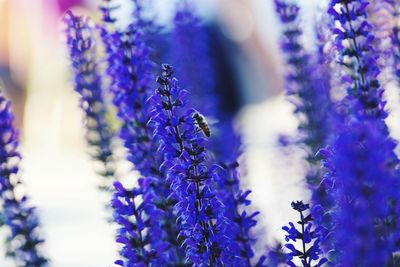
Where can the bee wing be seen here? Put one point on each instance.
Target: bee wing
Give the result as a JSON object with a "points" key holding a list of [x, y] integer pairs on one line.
{"points": [[211, 120]]}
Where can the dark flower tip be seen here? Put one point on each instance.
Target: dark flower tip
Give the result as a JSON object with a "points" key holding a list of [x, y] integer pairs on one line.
{"points": [[167, 70], [300, 206]]}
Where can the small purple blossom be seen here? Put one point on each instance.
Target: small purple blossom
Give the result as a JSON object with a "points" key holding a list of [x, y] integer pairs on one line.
{"points": [[237, 203], [309, 90]]}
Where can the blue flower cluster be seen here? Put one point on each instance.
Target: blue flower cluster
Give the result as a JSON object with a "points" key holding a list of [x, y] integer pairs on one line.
{"points": [[353, 38], [24, 239], [196, 68], [130, 70], [309, 236], [199, 211]]}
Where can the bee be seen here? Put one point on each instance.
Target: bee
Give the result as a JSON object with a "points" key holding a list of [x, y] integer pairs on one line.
{"points": [[201, 122]]}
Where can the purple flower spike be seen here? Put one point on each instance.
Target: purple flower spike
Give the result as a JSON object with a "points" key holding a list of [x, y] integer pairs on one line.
{"points": [[361, 178], [201, 217], [88, 85], [353, 38], [306, 88]]}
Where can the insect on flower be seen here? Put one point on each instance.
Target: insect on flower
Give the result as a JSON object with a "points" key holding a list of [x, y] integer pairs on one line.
{"points": [[201, 123]]}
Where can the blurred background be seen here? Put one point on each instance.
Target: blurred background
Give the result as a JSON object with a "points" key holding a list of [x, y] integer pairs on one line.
{"points": [[57, 172]]}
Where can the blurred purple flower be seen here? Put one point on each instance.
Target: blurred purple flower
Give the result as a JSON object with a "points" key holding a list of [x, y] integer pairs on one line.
{"points": [[24, 240], [88, 84]]}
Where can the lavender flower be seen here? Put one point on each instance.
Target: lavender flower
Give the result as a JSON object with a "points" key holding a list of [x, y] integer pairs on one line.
{"points": [[129, 212], [200, 212], [130, 70], [24, 240], [88, 85], [308, 235]]}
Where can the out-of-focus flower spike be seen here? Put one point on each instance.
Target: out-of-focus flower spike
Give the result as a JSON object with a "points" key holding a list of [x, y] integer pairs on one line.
{"points": [[363, 184], [307, 89], [191, 56], [24, 240], [88, 84]]}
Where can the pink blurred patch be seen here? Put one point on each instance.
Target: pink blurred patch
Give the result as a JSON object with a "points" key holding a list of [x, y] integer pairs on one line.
{"points": [[64, 5]]}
